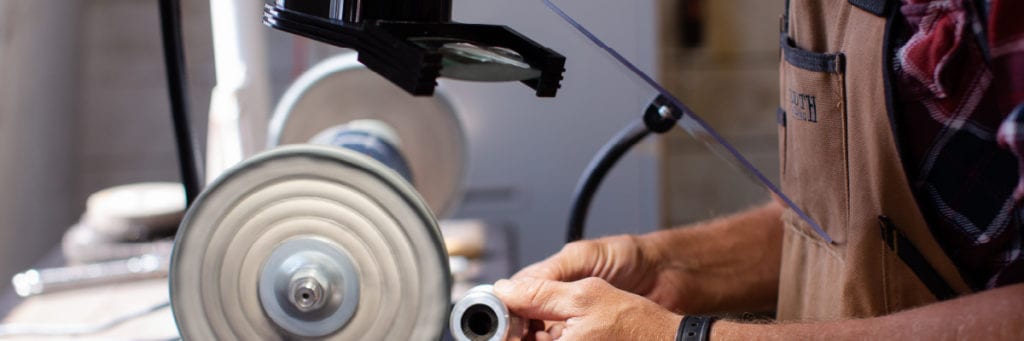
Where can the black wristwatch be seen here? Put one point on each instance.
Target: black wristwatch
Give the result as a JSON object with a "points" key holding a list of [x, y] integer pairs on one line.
{"points": [[695, 328]]}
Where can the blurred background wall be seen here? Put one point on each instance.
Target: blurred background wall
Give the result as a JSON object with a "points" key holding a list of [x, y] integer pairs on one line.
{"points": [[83, 106], [124, 130], [721, 58], [37, 127]]}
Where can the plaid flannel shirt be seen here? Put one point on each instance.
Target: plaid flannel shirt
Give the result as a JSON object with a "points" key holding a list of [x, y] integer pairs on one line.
{"points": [[958, 77]]}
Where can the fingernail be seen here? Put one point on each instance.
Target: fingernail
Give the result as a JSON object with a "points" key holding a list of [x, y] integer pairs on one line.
{"points": [[504, 287]]}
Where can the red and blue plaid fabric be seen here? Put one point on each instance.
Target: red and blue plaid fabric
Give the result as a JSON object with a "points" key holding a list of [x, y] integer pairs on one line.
{"points": [[958, 78]]}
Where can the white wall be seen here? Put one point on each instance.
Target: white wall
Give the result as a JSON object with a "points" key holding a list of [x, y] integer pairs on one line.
{"points": [[37, 121], [84, 106]]}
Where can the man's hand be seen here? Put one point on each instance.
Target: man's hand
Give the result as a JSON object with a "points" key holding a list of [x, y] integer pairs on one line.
{"points": [[725, 265], [626, 262], [590, 309], [729, 264]]}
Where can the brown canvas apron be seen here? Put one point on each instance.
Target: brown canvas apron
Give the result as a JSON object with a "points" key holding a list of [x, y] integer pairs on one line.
{"points": [[840, 164]]}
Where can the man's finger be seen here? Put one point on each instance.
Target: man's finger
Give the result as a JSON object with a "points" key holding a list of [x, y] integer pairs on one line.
{"points": [[543, 336], [541, 299], [575, 261], [534, 326], [549, 269], [555, 331]]}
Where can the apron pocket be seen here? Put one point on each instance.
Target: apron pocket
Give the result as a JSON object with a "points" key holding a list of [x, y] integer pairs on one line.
{"points": [[814, 168]]}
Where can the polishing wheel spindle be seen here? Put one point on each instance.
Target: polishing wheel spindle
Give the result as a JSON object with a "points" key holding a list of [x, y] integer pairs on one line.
{"points": [[480, 316]]}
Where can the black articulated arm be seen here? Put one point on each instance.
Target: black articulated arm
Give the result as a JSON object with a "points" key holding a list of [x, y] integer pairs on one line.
{"points": [[659, 117]]}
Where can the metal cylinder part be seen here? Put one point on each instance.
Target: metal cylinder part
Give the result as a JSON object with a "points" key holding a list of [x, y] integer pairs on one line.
{"points": [[373, 138], [480, 316], [40, 281]]}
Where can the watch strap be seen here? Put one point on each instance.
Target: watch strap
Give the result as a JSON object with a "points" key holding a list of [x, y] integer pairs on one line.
{"points": [[695, 328]]}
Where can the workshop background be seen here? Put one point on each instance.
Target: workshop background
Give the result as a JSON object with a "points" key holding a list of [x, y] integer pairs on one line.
{"points": [[83, 106]]}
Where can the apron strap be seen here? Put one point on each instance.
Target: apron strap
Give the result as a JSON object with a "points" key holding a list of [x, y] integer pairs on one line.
{"points": [[784, 25], [912, 257]]}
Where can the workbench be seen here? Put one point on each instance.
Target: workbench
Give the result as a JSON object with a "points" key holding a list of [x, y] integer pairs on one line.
{"points": [[102, 304]]}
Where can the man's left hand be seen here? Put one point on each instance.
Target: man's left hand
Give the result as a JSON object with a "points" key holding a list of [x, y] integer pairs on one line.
{"points": [[587, 309]]}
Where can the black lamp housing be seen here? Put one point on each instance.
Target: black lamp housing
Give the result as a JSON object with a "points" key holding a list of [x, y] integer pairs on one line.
{"points": [[385, 34]]}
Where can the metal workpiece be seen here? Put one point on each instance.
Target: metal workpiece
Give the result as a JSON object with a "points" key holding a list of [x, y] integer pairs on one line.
{"points": [[480, 316], [310, 242]]}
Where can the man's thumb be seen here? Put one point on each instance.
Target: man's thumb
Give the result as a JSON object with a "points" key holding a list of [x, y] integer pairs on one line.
{"points": [[539, 299]]}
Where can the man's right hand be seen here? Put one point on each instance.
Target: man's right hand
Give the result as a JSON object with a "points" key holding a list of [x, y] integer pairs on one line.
{"points": [[724, 265], [627, 262], [728, 264]]}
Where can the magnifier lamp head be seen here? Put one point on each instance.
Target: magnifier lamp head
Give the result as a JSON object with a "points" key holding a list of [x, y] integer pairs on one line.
{"points": [[340, 93], [412, 42]]}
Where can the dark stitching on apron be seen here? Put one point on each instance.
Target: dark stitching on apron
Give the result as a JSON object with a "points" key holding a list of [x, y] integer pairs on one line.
{"points": [[846, 147]]}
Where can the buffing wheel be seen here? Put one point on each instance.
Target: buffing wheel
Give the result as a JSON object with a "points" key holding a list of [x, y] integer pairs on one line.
{"points": [[340, 90], [309, 242]]}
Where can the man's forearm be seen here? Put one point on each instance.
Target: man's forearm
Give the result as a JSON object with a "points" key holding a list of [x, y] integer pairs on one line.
{"points": [[731, 264], [996, 314]]}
